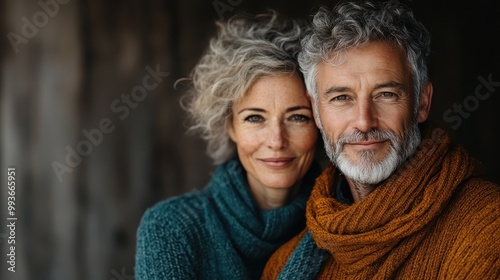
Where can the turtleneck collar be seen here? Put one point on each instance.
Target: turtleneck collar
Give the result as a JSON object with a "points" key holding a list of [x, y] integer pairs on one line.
{"points": [[256, 233]]}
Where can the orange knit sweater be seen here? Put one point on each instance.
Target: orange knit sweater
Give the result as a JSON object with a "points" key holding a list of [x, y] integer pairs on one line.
{"points": [[433, 219]]}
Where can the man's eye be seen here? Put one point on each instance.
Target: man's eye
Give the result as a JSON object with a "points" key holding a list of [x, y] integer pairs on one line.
{"points": [[340, 98], [299, 118], [387, 94], [254, 119]]}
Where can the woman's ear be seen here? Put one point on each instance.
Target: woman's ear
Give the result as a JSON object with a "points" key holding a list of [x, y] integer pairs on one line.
{"points": [[230, 130], [425, 102]]}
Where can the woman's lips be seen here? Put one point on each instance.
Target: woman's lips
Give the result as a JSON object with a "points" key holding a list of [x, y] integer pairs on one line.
{"points": [[277, 163]]}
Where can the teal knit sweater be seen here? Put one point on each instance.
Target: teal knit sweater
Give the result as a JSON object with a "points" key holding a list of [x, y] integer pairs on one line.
{"points": [[218, 232]]}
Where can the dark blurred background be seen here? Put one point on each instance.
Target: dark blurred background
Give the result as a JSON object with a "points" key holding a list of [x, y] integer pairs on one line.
{"points": [[91, 121]]}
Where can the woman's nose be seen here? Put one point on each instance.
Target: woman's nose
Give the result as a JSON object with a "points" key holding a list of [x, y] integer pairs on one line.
{"points": [[277, 138]]}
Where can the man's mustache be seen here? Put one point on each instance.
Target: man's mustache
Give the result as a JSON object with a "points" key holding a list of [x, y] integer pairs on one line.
{"points": [[372, 135]]}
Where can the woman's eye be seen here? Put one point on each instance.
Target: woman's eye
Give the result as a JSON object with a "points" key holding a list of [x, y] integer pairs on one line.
{"points": [[254, 119], [299, 118]]}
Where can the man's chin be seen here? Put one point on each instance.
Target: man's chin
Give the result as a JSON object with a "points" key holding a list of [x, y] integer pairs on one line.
{"points": [[366, 173]]}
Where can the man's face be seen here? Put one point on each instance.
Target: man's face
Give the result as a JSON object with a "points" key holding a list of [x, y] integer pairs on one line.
{"points": [[365, 107]]}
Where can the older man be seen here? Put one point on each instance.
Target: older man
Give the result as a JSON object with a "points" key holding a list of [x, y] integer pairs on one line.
{"points": [[400, 201]]}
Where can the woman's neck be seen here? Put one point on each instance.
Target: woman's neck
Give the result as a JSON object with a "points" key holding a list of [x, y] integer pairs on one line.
{"points": [[272, 198]]}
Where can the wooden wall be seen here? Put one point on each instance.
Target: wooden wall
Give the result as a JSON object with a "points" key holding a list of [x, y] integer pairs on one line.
{"points": [[77, 78]]}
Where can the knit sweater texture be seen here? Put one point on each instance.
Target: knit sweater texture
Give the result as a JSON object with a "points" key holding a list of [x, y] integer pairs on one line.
{"points": [[435, 218], [218, 232]]}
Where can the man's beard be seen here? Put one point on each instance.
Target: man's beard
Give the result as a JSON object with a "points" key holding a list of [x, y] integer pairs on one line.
{"points": [[367, 171]]}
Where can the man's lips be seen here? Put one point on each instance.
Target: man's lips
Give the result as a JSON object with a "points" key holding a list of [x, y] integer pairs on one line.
{"points": [[370, 144], [278, 162]]}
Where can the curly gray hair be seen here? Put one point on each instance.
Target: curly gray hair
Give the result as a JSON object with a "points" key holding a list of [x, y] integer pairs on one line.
{"points": [[246, 47], [352, 24]]}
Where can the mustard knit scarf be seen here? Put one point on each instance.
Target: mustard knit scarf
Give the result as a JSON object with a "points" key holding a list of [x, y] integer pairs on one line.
{"points": [[393, 218]]}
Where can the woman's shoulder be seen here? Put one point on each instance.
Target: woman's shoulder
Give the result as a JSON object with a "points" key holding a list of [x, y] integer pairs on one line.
{"points": [[170, 237], [176, 214]]}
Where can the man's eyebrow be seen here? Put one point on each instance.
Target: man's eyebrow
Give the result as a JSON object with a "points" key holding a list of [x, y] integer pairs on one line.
{"points": [[390, 84], [337, 89]]}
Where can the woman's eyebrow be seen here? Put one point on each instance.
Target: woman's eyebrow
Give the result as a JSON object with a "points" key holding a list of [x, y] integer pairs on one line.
{"points": [[295, 108], [252, 109]]}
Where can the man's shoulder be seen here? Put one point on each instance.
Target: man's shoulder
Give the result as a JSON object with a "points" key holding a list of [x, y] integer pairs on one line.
{"points": [[477, 205], [481, 192], [475, 230]]}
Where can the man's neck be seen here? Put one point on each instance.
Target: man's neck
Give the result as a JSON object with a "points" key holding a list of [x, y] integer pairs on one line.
{"points": [[358, 190]]}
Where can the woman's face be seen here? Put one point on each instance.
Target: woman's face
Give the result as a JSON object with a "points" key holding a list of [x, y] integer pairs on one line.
{"points": [[274, 131]]}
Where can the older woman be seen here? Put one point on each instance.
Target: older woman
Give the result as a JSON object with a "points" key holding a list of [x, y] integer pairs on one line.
{"points": [[249, 102]]}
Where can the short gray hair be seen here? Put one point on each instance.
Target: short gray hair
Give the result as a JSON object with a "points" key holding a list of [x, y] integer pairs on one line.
{"points": [[245, 48], [352, 24]]}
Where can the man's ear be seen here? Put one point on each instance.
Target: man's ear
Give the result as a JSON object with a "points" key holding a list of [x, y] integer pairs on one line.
{"points": [[313, 108], [425, 102]]}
